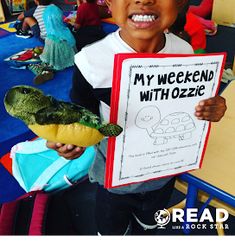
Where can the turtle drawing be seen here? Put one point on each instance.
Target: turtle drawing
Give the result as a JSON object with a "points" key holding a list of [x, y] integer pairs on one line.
{"points": [[175, 125], [57, 121]]}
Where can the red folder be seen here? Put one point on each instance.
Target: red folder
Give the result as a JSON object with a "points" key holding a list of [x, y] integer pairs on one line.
{"points": [[116, 84]]}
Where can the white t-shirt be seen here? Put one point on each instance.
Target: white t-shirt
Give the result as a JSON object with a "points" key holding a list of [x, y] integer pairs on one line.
{"points": [[96, 61]]}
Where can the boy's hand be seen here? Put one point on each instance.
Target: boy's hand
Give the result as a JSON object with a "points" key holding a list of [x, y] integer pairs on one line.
{"points": [[211, 109], [69, 152]]}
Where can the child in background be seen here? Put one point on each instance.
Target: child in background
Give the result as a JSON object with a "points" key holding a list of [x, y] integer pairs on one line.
{"points": [[32, 19], [196, 32], [203, 11], [92, 82], [59, 49], [88, 24], [87, 14], [20, 21], [189, 27]]}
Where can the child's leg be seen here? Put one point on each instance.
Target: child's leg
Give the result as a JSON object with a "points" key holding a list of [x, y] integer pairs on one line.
{"points": [[28, 13], [112, 213], [21, 17], [36, 30], [144, 217], [42, 71], [28, 23], [19, 24]]}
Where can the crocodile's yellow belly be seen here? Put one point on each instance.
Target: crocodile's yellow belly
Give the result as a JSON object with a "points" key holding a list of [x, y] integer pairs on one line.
{"points": [[75, 134]]}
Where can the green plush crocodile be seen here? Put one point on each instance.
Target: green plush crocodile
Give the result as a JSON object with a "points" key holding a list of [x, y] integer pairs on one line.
{"points": [[55, 120]]}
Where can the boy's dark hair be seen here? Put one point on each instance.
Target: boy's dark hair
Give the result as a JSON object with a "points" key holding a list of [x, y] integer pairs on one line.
{"points": [[180, 22], [91, 1], [44, 2], [178, 26]]}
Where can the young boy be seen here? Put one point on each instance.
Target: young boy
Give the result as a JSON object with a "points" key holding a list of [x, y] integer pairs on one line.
{"points": [[142, 25], [32, 19]]}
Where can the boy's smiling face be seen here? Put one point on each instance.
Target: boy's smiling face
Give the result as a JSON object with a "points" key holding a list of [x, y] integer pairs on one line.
{"points": [[144, 20]]}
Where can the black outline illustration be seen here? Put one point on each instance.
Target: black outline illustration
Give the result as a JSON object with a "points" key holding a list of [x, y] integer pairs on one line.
{"points": [[175, 125]]}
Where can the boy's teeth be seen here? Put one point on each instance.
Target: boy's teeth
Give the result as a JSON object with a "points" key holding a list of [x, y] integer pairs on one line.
{"points": [[143, 18]]}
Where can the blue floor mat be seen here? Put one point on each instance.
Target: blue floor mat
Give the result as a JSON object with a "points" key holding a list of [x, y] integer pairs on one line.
{"points": [[11, 128], [9, 187]]}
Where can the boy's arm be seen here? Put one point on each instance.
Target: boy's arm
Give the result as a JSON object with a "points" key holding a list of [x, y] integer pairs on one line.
{"points": [[82, 93]]}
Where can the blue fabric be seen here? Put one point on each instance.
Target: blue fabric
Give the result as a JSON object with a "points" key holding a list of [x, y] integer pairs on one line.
{"points": [[4, 33], [55, 27], [9, 187], [36, 167], [109, 28]]}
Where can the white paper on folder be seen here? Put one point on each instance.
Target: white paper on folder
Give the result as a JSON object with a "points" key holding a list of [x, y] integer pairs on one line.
{"points": [[161, 136]]}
